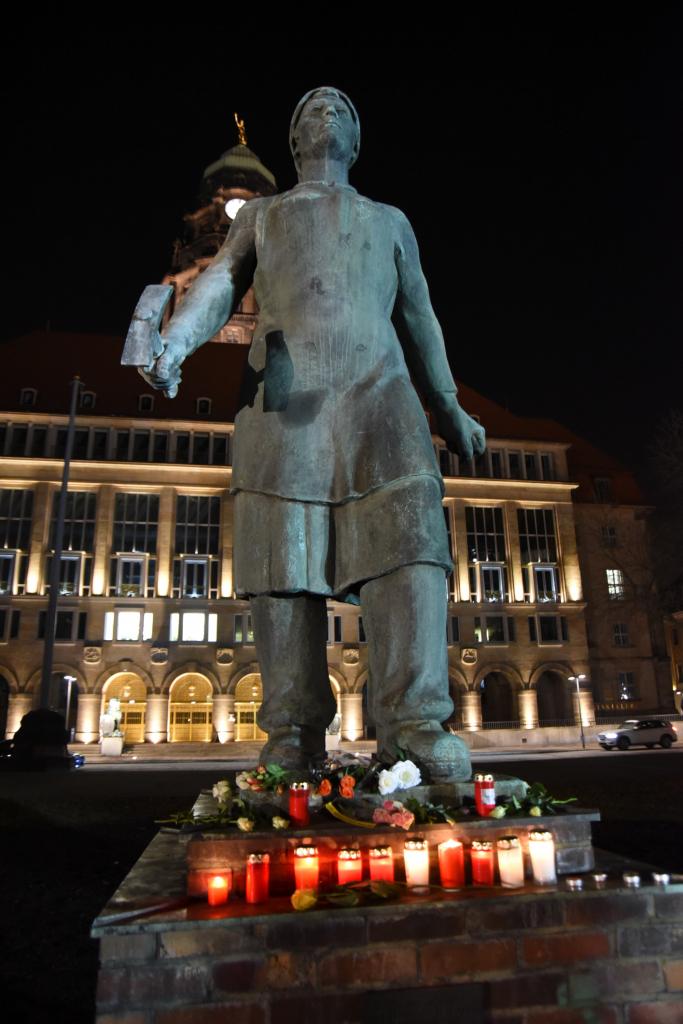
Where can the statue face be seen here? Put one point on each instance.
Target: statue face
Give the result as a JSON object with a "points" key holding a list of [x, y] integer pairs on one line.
{"points": [[326, 128]]}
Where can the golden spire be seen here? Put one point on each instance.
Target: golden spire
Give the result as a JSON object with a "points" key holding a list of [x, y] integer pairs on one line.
{"points": [[240, 128]]}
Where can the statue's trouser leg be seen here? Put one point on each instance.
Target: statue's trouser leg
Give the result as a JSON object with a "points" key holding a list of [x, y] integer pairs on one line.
{"points": [[291, 642], [404, 616]]}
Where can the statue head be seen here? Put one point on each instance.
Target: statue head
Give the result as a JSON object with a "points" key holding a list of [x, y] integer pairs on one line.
{"points": [[325, 119]]}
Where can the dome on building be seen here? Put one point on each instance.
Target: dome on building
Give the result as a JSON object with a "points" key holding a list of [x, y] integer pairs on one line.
{"points": [[238, 167]]}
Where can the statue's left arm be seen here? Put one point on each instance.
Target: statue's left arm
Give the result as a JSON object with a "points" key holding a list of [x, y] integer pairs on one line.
{"points": [[424, 348]]}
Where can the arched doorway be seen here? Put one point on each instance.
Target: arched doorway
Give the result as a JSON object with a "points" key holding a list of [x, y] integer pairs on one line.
{"points": [[554, 699], [4, 706], [129, 688], [64, 698], [497, 699], [248, 697], [190, 709]]}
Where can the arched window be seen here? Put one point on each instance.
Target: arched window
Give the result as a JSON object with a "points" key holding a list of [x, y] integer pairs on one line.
{"points": [[27, 398], [88, 399], [203, 406], [146, 403]]}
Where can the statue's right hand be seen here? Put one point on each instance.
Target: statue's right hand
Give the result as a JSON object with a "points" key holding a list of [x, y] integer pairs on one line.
{"points": [[164, 373]]}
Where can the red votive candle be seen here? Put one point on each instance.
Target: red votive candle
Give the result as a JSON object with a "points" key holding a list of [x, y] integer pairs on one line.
{"points": [[381, 860], [218, 888], [258, 878], [306, 867], [349, 865], [298, 804], [483, 868], [452, 864], [484, 794]]}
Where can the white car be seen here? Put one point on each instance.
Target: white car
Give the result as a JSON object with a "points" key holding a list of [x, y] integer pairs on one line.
{"points": [[639, 732]]}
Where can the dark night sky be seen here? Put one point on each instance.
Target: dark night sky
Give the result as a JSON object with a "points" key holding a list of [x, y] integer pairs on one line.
{"points": [[540, 167]]}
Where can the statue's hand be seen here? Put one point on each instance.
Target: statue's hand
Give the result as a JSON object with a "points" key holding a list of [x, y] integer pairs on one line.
{"points": [[164, 373], [462, 434]]}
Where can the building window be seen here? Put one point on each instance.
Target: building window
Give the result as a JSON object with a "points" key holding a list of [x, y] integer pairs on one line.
{"points": [[609, 536], [242, 632], [160, 450], [361, 631], [69, 626], [28, 398], [486, 545], [193, 627], [450, 579], [87, 399], [197, 525], [145, 403], [203, 407], [537, 535], [79, 521], [628, 689], [620, 634], [136, 520], [18, 439], [494, 629], [603, 489], [615, 584], [9, 624], [453, 630], [16, 512], [128, 626], [38, 444], [548, 629], [334, 628]]}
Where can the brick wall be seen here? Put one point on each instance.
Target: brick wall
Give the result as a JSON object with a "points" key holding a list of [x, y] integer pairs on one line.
{"points": [[605, 957]]}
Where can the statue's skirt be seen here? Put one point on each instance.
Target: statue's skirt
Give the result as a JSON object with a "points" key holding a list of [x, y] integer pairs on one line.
{"points": [[285, 546]]}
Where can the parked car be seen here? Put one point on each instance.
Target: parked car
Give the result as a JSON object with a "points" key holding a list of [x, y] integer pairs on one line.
{"points": [[639, 732]]}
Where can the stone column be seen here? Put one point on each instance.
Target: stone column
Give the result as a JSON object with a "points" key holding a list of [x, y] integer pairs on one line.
{"points": [[471, 710], [223, 709], [351, 716], [460, 551], [587, 707], [156, 718], [226, 584], [88, 717], [165, 544], [514, 552], [568, 552], [103, 534], [19, 705], [40, 529], [527, 708]]}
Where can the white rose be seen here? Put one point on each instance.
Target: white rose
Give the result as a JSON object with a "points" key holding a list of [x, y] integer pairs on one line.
{"points": [[241, 780], [387, 782], [406, 774], [280, 822], [222, 791], [245, 824]]}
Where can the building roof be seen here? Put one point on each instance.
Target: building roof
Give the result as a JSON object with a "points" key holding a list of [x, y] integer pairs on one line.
{"points": [[238, 166]]}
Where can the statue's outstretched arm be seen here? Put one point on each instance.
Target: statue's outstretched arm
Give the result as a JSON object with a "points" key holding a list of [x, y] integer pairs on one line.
{"points": [[210, 300], [425, 350]]}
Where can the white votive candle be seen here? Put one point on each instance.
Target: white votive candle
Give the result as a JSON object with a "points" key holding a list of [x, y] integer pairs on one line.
{"points": [[416, 861], [510, 862], [542, 853]]}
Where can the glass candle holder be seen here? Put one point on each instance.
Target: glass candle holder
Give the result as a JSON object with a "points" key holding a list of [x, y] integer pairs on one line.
{"points": [[218, 888], [349, 865], [416, 862], [542, 854], [481, 856], [510, 862], [258, 878], [298, 804], [381, 860], [484, 794], [306, 867], [452, 864], [631, 879]]}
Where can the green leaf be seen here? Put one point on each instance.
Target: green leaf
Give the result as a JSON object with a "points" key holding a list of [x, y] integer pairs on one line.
{"points": [[343, 898], [385, 890]]}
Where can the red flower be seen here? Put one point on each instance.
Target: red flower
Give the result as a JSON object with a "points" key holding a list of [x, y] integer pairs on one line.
{"points": [[347, 784], [325, 787]]}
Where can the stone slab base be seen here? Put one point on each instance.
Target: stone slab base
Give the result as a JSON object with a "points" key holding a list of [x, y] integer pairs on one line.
{"points": [[605, 956]]}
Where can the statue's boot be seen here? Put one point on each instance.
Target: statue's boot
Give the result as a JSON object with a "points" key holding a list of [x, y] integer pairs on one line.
{"points": [[445, 757], [404, 615], [297, 707], [294, 748]]}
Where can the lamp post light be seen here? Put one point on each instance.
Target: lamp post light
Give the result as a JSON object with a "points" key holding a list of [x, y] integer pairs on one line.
{"points": [[69, 680], [578, 680]]}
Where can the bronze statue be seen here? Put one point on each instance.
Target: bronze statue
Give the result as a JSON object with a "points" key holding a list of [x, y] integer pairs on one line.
{"points": [[336, 486]]}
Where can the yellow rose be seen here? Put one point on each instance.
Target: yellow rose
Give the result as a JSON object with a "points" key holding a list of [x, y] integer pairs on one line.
{"points": [[498, 812], [304, 899], [245, 824], [535, 812]]}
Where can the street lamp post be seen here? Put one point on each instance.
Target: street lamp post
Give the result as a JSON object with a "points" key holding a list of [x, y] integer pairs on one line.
{"points": [[578, 680], [70, 680]]}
